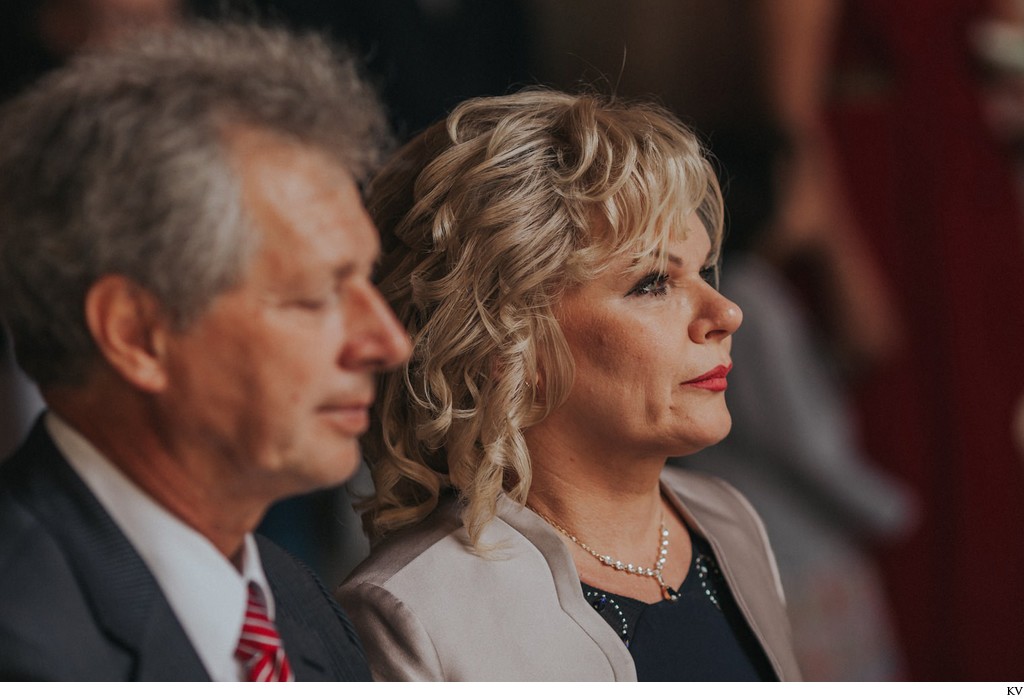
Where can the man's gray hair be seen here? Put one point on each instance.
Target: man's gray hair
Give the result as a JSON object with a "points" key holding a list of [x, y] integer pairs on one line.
{"points": [[117, 164]]}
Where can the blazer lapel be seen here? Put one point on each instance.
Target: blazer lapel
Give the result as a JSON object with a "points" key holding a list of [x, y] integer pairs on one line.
{"points": [[126, 599], [718, 513]]}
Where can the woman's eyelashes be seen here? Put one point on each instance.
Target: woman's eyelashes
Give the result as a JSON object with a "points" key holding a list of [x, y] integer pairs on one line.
{"points": [[654, 283], [657, 283]]}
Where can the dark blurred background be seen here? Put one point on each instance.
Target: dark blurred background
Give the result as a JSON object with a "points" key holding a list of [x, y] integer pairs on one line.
{"points": [[870, 152]]}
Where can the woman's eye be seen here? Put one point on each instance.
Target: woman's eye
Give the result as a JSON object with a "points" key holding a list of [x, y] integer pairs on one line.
{"points": [[710, 275], [654, 283]]}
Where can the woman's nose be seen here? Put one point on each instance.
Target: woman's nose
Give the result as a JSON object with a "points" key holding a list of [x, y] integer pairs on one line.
{"points": [[718, 318]]}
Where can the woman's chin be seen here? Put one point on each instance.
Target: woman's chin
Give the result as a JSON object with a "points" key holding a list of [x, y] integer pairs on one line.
{"points": [[696, 441]]}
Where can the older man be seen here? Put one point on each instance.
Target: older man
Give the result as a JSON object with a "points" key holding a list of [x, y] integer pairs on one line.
{"points": [[185, 270]]}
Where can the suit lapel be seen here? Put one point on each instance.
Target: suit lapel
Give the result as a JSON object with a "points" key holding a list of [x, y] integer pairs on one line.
{"points": [[319, 639], [127, 601], [304, 653], [298, 597]]}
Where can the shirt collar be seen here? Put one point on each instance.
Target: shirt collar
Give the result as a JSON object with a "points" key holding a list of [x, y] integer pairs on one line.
{"points": [[205, 591]]}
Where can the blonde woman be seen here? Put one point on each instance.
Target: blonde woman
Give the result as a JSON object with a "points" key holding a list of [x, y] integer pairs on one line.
{"points": [[554, 258]]}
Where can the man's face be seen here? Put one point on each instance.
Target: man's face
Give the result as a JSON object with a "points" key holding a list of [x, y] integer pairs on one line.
{"points": [[271, 388]]}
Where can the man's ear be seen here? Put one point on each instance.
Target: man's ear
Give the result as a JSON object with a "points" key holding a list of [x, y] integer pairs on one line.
{"points": [[129, 327]]}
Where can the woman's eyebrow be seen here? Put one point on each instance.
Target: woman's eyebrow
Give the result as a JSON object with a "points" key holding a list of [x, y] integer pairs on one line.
{"points": [[673, 260]]}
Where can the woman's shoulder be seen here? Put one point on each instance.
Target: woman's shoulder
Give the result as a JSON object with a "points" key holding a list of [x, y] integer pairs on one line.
{"points": [[403, 548], [426, 555], [428, 606]]}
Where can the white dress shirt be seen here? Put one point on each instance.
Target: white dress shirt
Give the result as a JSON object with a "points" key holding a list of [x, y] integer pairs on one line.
{"points": [[205, 591]]}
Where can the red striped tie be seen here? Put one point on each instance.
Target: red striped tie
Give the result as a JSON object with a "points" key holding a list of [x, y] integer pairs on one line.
{"points": [[259, 648]]}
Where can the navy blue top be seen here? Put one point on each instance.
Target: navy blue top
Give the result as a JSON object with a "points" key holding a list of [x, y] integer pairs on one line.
{"points": [[701, 636]]}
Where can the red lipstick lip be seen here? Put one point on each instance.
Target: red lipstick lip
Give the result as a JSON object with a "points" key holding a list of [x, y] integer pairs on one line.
{"points": [[715, 380]]}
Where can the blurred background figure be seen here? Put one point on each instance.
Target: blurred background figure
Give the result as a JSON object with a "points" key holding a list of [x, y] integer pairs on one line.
{"points": [[793, 449], [68, 26], [885, 100], [38, 35]]}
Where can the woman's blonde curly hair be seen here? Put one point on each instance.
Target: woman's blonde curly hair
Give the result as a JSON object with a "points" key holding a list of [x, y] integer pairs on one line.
{"points": [[486, 218]]}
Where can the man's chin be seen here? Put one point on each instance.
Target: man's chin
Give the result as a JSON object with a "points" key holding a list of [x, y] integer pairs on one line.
{"points": [[339, 467], [324, 470]]}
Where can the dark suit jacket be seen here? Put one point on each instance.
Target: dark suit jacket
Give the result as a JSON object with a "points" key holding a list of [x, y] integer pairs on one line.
{"points": [[78, 603]]}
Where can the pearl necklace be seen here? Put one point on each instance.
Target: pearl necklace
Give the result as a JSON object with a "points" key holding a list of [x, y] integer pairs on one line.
{"points": [[654, 572]]}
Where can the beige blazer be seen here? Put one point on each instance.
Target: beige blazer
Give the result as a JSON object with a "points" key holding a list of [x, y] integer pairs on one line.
{"points": [[427, 608]]}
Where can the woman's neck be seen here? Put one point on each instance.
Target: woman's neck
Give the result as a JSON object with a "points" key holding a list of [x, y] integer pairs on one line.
{"points": [[611, 499], [610, 502]]}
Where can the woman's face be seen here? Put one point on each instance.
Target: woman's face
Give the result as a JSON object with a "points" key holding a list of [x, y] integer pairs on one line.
{"points": [[651, 352]]}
